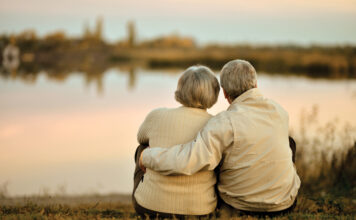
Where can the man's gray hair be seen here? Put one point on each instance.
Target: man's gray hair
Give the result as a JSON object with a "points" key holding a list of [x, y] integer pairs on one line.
{"points": [[238, 76], [198, 88]]}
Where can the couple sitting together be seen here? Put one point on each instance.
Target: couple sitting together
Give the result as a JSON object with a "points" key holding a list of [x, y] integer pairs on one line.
{"points": [[240, 161]]}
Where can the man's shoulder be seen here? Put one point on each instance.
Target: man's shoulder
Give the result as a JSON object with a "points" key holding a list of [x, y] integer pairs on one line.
{"points": [[279, 107], [221, 119], [221, 115]]}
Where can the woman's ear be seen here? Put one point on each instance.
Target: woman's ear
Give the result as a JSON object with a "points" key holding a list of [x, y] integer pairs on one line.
{"points": [[226, 96]]}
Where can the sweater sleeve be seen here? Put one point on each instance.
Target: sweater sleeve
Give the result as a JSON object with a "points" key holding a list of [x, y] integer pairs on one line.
{"points": [[203, 153], [143, 134]]}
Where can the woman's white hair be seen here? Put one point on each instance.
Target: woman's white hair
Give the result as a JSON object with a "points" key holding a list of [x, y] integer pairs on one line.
{"points": [[238, 76], [198, 88]]}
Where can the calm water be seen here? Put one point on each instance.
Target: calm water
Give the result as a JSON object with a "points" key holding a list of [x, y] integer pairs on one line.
{"points": [[79, 135]]}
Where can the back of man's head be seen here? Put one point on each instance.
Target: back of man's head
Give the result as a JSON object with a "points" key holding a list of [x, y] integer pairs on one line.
{"points": [[237, 76]]}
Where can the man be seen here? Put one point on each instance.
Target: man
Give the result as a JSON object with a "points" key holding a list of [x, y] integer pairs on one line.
{"points": [[249, 142]]}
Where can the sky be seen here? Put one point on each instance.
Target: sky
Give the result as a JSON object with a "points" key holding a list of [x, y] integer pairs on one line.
{"points": [[208, 21]]}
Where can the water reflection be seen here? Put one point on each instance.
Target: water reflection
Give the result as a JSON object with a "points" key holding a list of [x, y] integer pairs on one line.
{"points": [[94, 74], [54, 134], [132, 77], [91, 75]]}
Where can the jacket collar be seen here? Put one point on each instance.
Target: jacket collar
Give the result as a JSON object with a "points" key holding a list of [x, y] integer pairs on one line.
{"points": [[193, 109], [249, 94]]}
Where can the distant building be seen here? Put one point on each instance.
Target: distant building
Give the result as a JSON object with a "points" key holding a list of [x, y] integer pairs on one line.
{"points": [[86, 32], [97, 33], [131, 32], [171, 41], [11, 56]]}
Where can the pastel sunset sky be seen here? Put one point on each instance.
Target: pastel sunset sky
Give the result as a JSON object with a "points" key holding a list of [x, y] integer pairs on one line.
{"points": [[224, 21]]}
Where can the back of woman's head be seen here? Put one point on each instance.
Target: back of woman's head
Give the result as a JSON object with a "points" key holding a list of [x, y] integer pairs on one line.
{"points": [[198, 88]]}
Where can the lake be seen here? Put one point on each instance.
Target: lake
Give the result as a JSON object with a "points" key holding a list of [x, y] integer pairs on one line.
{"points": [[77, 134]]}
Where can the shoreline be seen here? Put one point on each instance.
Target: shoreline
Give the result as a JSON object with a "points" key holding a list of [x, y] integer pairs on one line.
{"points": [[57, 54], [70, 200]]}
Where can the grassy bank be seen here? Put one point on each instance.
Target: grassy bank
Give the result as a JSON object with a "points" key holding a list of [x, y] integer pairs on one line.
{"points": [[327, 206]]}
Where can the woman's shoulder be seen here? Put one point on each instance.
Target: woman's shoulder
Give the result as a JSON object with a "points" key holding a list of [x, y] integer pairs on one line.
{"points": [[156, 113], [151, 118], [179, 111]]}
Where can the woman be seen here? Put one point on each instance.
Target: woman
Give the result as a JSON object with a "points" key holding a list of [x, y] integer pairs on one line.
{"points": [[156, 194]]}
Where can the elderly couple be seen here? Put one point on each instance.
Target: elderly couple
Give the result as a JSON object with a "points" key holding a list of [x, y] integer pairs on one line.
{"points": [[240, 161]]}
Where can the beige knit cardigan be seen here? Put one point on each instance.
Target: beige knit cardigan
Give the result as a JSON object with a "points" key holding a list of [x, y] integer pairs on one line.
{"points": [[187, 195]]}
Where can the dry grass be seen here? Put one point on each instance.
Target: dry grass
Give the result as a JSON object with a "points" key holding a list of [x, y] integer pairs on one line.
{"points": [[321, 207], [325, 155]]}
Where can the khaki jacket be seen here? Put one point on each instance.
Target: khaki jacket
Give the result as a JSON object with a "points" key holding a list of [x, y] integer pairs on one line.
{"points": [[250, 142]]}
